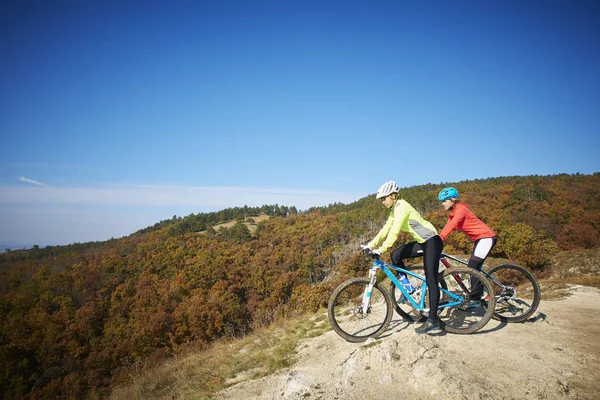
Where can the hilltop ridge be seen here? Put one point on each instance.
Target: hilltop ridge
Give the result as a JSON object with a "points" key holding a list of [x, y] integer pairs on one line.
{"points": [[80, 319], [553, 355]]}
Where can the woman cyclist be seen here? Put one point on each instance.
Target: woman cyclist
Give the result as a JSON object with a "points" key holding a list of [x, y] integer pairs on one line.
{"points": [[403, 217], [462, 218]]}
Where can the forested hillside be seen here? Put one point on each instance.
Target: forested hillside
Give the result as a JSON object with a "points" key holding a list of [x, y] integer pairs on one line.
{"points": [[77, 319]]}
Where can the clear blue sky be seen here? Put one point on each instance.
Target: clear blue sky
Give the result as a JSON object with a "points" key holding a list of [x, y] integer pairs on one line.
{"points": [[118, 114]]}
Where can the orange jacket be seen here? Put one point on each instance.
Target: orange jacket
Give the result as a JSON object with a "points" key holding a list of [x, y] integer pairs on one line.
{"points": [[463, 219]]}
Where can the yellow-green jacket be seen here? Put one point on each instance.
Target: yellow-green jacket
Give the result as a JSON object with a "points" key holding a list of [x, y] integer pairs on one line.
{"points": [[405, 218]]}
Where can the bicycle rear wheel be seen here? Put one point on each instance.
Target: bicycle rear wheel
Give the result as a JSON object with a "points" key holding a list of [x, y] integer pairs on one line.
{"points": [[472, 314], [346, 314], [518, 296]]}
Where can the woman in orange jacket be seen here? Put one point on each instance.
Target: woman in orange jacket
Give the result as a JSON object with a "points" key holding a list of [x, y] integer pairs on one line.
{"points": [[462, 219]]}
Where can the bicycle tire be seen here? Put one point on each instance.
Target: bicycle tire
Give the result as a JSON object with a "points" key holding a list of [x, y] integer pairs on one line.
{"points": [[520, 296], [345, 310], [401, 304], [468, 317]]}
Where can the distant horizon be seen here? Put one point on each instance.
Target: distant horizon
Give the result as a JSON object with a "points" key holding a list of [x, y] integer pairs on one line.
{"points": [[29, 246], [3, 247]]}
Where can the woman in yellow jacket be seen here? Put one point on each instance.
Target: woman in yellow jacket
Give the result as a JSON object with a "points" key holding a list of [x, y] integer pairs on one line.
{"points": [[403, 217]]}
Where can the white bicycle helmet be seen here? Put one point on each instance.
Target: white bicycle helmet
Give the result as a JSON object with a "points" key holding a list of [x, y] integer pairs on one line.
{"points": [[386, 189]]}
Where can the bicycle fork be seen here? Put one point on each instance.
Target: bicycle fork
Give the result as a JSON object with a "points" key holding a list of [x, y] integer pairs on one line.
{"points": [[366, 300]]}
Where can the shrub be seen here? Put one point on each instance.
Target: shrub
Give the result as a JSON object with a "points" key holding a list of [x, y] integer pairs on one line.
{"points": [[523, 243]]}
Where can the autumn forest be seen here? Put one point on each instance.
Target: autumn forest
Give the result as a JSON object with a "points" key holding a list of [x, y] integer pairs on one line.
{"points": [[78, 319]]}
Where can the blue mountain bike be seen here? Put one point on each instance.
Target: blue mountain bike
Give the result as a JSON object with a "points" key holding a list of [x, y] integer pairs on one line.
{"points": [[361, 308]]}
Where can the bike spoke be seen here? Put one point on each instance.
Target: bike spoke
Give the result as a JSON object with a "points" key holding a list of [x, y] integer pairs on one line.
{"points": [[347, 314], [472, 314], [517, 292]]}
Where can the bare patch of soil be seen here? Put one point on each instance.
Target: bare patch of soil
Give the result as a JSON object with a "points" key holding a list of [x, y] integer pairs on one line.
{"points": [[250, 222]]}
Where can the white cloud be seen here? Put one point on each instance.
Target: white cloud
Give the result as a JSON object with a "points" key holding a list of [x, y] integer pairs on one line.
{"points": [[52, 226], [60, 215], [33, 182], [202, 197]]}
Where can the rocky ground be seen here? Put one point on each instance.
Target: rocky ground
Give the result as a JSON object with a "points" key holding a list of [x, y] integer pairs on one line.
{"points": [[554, 355]]}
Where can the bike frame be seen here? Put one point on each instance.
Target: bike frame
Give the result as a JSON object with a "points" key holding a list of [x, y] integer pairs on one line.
{"points": [[387, 269], [443, 260]]}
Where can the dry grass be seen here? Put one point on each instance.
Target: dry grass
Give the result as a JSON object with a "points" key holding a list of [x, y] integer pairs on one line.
{"points": [[198, 375], [568, 268], [556, 289]]}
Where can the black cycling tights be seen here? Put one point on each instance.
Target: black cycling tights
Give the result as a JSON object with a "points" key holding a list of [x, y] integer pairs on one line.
{"points": [[431, 250]]}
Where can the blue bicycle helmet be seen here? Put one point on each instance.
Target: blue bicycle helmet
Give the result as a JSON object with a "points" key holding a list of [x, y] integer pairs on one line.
{"points": [[448, 193]]}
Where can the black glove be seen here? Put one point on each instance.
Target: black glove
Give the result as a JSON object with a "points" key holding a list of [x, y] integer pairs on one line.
{"points": [[365, 249]]}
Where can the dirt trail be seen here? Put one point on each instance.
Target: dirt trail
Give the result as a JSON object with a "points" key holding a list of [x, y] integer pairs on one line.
{"points": [[555, 355]]}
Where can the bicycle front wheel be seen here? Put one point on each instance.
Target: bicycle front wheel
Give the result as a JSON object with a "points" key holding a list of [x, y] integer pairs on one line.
{"points": [[346, 314], [477, 305], [516, 291]]}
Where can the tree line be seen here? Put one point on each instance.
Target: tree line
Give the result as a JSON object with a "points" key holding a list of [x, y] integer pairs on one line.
{"points": [[202, 221]]}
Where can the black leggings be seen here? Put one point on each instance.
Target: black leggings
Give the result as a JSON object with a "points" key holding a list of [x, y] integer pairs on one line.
{"points": [[431, 250], [476, 262]]}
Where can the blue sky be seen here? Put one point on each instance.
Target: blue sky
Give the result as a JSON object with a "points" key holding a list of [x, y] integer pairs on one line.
{"points": [[116, 115]]}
